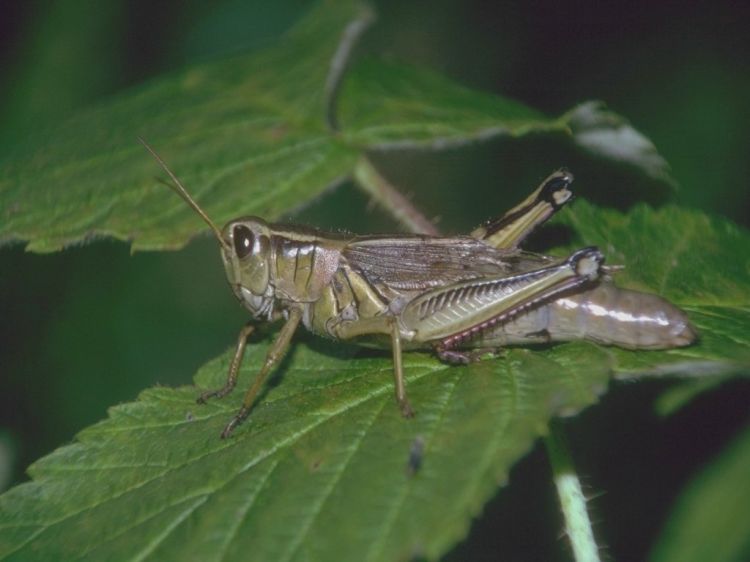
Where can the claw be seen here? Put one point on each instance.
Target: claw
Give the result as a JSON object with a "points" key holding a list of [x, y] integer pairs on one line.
{"points": [[236, 420], [406, 410]]}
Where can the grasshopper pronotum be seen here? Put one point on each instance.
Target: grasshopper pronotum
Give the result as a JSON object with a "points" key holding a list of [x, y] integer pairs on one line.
{"points": [[449, 294]]}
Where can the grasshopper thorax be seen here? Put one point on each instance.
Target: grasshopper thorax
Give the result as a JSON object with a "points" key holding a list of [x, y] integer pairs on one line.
{"points": [[246, 257]]}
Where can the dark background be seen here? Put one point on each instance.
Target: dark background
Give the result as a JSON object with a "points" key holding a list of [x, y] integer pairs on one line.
{"points": [[90, 327]]}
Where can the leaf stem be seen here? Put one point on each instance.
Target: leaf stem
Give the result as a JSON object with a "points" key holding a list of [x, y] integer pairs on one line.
{"points": [[572, 501], [340, 61], [398, 206]]}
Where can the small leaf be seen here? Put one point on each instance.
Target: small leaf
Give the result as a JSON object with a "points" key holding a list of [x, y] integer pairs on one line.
{"points": [[607, 134], [710, 518]]}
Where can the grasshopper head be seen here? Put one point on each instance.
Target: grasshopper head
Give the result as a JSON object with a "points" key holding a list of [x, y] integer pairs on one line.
{"points": [[246, 255], [245, 249]]}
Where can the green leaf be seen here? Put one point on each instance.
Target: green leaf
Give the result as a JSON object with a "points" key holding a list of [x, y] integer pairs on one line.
{"points": [[319, 470], [387, 105], [243, 133], [318, 473], [606, 134], [699, 262], [710, 518], [248, 135]]}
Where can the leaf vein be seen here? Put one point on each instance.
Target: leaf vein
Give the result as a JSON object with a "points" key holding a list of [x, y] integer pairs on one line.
{"points": [[318, 508], [378, 546], [246, 508], [181, 518]]}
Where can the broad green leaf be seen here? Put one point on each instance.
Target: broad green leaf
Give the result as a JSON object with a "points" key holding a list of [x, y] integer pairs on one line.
{"points": [[248, 135], [319, 471], [710, 518]]}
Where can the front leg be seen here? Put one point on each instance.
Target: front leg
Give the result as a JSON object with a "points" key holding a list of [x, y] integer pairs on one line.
{"points": [[234, 367], [275, 354]]}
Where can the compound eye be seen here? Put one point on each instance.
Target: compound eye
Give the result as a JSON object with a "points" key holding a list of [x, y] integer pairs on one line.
{"points": [[243, 241]]}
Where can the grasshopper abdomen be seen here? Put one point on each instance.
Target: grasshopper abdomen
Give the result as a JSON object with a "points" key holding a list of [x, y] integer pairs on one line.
{"points": [[612, 316]]}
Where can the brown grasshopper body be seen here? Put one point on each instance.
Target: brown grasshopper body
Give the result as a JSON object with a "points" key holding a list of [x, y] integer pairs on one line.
{"points": [[448, 294]]}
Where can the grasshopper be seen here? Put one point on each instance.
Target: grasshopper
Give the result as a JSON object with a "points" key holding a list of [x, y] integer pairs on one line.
{"points": [[458, 296]]}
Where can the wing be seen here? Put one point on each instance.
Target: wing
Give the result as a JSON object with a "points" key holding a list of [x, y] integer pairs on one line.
{"points": [[421, 262]]}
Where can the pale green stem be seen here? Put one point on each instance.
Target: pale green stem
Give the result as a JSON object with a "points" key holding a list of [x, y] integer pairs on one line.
{"points": [[398, 206], [572, 500], [577, 522]]}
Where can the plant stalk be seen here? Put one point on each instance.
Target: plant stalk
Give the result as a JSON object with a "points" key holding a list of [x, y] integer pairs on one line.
{"points": [[572, 501], [398, 206]]}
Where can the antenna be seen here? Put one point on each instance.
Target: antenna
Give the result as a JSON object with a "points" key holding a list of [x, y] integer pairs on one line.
{"points": [[180, 190]]}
